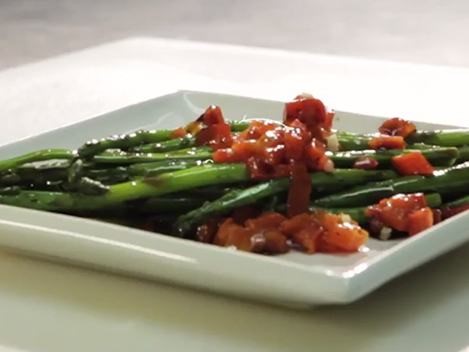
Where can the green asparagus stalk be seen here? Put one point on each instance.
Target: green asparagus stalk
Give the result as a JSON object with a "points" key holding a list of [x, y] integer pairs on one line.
{"points": [[356, 141], [166, 146], [121, 158], [353, 141], [445, 181], [238, 198], [159, 167], [463, 154], [125, 141], [167, 183], [168, 204], [37, 178], [40, 155], [109, 176], [444, 138], [436, 156], [137, 138], [458, 202]]}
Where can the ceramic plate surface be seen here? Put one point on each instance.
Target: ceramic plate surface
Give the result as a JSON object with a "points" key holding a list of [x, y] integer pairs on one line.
{"points": [[291, 279]]}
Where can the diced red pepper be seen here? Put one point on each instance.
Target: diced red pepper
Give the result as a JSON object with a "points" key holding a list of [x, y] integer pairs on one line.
{"points": [[212, 116], [397, 127], [297, 223], [341, 234], [217, 136], [259, 234], [420, 220], [304, 230], [274, 155], [308, 110], [394, 212], [365, 163], [312, 113], [268, 220], [225, 155], [316, 157], [299, 190], [312, 232], [296, 137], [231, 234], [258, 128], [178, 133], [387, 142], [266, 226], [260, 170], [307, 239], [324, 232], [413, 163], [211, 129], [294, 146]]}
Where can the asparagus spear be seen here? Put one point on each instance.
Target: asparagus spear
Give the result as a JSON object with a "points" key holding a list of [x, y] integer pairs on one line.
{"points": [[446, 138], [356, 141], [437, 156], [443, 181], [120, 157], [37, 178], [166, 146], [241, 197], [124, 141], [353, 141], [443, 138], [137, 138], [45, 154], [463, 154], [159, 167], [458, 202], [171, 182], [169, 204], [109, 175]]}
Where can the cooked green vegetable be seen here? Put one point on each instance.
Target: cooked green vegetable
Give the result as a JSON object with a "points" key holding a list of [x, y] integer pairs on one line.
{"points": [[152, 178], [436, 156], [240, 197], [40, 155], [454, 179]]}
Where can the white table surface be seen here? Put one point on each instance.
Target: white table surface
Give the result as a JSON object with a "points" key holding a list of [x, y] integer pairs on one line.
{"points": [[51, 307]]}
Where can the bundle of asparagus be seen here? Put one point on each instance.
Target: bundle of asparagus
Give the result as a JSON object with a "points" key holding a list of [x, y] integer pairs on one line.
{"points": [[207, 181]]}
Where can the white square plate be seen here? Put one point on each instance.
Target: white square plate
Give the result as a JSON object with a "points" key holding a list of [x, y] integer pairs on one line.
{"points": [[292, 279]]}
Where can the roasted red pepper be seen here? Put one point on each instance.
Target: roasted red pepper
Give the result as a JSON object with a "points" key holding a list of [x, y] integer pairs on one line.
{"points": [[178, 133], [403, 212], [397, 127], [387, 142], [215, 131], [413, 163], [419, 220]]}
